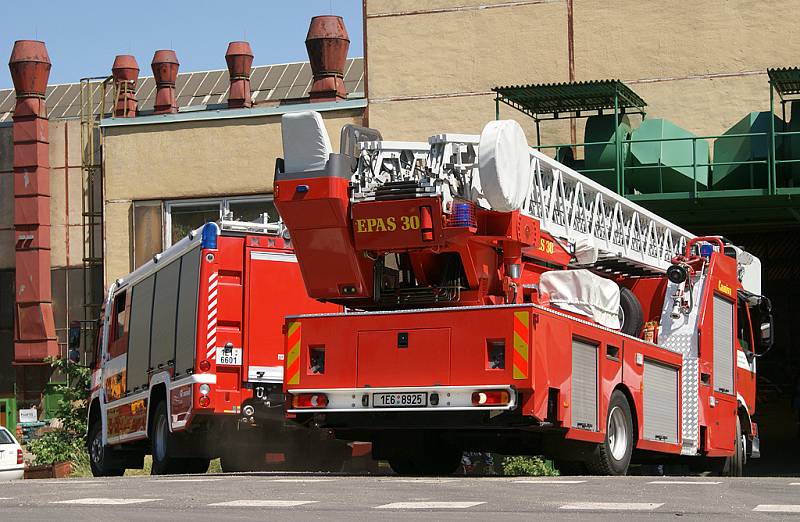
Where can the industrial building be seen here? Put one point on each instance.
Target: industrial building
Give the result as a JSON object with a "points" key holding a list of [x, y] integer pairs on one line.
{"points": [[136, 161]]}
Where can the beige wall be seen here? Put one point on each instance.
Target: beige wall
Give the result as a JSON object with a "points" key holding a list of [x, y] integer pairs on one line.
{"points": [[432, 65], [189, 159]]}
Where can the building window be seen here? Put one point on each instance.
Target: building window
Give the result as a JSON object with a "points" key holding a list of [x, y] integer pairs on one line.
{"points": [[181, 217]]}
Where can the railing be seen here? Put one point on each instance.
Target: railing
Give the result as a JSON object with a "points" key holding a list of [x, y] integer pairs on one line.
{"points": [[773, 184]]}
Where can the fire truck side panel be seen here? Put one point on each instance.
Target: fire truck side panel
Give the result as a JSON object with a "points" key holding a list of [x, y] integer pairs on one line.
{"points": [[229, 324], [271, 294]]}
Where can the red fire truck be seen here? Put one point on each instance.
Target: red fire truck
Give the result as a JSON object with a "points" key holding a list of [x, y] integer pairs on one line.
{"points": [[499, 301], [189, 361]]}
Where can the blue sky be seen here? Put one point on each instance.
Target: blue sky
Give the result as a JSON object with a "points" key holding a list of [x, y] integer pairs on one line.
{"points": [[83, 36]]}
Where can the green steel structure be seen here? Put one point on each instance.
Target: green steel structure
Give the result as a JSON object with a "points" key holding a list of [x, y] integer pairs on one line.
{"points": [[775, 202]]}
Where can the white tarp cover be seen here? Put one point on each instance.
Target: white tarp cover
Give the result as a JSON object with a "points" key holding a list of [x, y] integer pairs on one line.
{"points": [[306, 145], [584, 293], [504, 165]]}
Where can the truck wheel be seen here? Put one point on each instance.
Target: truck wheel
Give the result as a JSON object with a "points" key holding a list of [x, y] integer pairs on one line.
{"points": [[402, 465], [163, 442], [433, 456], [196, 465], [630, 313], [439, 459], [98, 454], [734, 465], [613, 455]]}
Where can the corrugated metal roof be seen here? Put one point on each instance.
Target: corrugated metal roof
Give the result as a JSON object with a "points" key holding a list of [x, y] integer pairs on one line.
{"points": [[268, 83], [552, 98], [786, 80]]}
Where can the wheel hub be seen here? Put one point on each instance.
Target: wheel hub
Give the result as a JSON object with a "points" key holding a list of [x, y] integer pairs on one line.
{"points": [[617, 433]]}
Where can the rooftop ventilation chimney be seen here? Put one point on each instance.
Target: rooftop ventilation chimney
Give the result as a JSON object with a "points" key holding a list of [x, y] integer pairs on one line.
{"points": [[327, 43], [34, 327], [165, 69], [240, 59], [126, 73]]}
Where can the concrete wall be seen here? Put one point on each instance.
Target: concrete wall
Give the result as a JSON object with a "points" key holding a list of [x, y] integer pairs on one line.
{"points": [[190, 159], [701, 65]]}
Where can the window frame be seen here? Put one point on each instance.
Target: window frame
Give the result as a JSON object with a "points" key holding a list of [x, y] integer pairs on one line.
{"points": [[223, 203]]}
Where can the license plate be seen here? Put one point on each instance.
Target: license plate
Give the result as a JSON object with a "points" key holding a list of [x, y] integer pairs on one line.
{"points": [[399, 400], [232, 357]]}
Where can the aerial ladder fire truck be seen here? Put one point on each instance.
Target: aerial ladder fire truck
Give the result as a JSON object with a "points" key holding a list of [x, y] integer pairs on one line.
{"points": [[189, 360], [497, 300]]}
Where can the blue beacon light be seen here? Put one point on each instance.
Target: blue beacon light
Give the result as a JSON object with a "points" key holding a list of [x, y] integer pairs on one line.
{"points": [[209, 236]]}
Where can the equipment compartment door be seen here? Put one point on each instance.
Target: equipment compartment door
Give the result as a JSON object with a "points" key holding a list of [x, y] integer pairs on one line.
{"points": [[660, 402], [419, 357], [584, 385], [274, 290]]}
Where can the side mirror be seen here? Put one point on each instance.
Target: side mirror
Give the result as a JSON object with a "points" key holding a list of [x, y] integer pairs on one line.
{"points": [[765, 335]]}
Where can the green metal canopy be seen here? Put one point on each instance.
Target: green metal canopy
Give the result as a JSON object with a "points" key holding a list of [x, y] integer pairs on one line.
{"points": [[547, 100], [786, 80]]}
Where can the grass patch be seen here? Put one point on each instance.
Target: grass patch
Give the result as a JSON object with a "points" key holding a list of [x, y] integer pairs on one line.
{"points": [[529, 467]]}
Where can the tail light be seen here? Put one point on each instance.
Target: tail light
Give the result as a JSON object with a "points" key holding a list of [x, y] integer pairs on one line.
{"points": [[490, 398], [205, 366], [204, 401], [310, 400], [19, 456]]}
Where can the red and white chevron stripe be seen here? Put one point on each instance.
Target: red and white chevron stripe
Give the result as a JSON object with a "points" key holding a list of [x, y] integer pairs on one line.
{"points": [[211, 329]]}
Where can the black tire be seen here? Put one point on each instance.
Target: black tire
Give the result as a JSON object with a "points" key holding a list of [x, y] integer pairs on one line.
{"points": [[99, 454], [402, 465], [163, 443], [433, 457], [613, 455], [439, 459], [734, 465], [631, 313], [196, 465]]}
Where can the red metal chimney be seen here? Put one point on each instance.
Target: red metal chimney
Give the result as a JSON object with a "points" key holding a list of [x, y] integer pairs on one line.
{"points": [[126, 73], [165, 69], [240, 59], [327, 43], [34, 331]]}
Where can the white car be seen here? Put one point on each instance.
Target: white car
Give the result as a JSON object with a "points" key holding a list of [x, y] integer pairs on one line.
{"points": [[11, 465]]}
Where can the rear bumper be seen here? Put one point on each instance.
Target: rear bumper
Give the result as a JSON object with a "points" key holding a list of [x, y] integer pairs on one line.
{"points": [[14, 473], [439, 398]]}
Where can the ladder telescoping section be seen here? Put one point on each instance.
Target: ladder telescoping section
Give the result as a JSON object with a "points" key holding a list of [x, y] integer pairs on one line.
{"points": [[630, 239]]}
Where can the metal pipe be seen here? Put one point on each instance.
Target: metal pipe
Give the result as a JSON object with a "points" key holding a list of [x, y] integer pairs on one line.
{"points": [[34, 332]]}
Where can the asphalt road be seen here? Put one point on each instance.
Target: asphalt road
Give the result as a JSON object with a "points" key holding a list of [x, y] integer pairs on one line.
{"points": [[330, 497]]}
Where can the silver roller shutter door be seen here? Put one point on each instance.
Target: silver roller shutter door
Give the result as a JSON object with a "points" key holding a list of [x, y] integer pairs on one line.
{"points": [[660, 402], [723, 345], [584, 385]]}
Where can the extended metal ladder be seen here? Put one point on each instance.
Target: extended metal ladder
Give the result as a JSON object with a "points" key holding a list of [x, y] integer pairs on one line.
{"points": [[630, 239]]}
